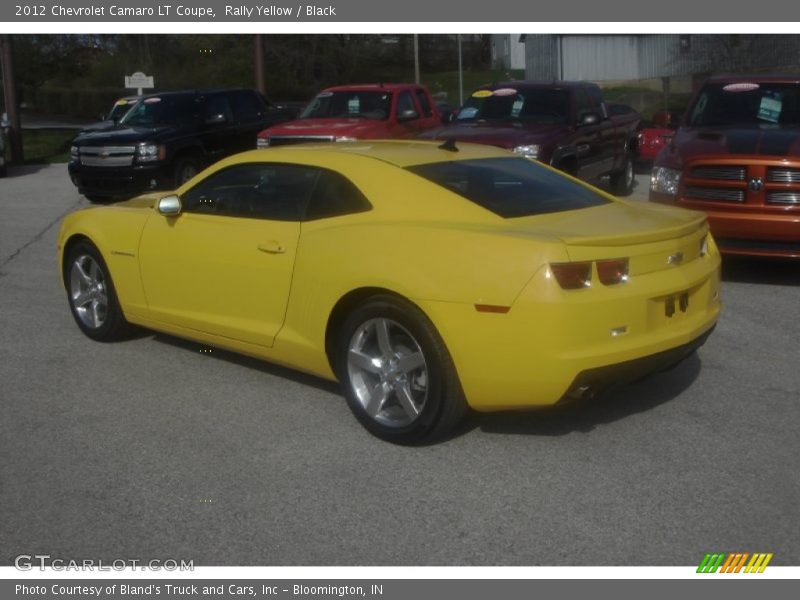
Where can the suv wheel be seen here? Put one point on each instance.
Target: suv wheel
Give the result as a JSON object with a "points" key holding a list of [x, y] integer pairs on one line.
{"points": [[185, 169]]}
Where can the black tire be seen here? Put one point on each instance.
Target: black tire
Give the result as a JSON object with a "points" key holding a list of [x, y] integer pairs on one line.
{"points": [[433, 388], [91, 294], [622, 181], [185, 168]]}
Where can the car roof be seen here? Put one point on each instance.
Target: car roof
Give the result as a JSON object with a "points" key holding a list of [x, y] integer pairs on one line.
{"points": [[401, 153], [373, 87]]}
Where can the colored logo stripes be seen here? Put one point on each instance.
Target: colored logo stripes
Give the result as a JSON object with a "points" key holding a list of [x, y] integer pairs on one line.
{"points": [[734, 562]]}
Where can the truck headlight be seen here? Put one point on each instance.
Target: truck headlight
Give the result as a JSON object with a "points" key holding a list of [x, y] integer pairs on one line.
{"points": [[665, 181], [149, 152], [529, 151], [74, 154]]}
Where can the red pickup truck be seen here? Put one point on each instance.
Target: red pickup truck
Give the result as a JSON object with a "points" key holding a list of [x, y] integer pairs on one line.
{"points": [[736, 156], [354, 112], [563, 123]]}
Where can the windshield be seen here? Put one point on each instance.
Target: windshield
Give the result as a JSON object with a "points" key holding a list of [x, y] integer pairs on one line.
{"points": [[119, 110], [348, 105], [747, 103], [510, 187], [162, 110], [509, 104]]}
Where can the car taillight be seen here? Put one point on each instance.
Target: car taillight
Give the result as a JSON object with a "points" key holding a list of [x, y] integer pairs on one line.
{"points": [[612, 272], [574, 275]]}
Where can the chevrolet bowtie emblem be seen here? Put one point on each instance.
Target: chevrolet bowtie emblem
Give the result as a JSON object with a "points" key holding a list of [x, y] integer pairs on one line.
{"points": [[675, 259]]}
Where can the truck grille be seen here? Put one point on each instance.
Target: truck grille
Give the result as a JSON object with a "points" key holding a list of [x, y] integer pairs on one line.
{"points": [[782, 175], [283, 140], [107, 156], [783, 197], [715, 194], [720, 172], [753, 185]]}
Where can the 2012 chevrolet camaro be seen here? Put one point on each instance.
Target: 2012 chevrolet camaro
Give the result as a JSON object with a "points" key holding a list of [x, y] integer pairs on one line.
{"points": [[427, 279]]}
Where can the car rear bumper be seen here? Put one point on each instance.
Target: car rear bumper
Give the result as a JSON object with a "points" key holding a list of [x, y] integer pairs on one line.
{"points": [[119, 183], [552, 342]]}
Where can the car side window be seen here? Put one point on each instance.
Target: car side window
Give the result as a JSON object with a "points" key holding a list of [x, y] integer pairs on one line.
{"points": [[582, 102], [422, 98], [596, 100], [246, 106], [335, 195], [405, 102], [218, 109], [271, 191]]}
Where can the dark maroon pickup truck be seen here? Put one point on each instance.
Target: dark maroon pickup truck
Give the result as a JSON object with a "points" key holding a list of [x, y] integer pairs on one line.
{"points": [[563, 123]]}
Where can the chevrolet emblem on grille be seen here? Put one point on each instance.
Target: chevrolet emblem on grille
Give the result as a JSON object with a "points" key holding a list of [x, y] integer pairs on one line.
{"points": [[675, 259], [756, 184]]}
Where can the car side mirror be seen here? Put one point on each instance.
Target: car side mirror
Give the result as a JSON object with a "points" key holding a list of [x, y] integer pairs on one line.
{"points": [[408, 115], [169, 206], [218, 119], [589, 118], [449, 117]]}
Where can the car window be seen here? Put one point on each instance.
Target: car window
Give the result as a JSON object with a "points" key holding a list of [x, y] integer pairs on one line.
{"points": [[405, 102], [422, 98], [247, 107], [273, 191], [350, 105], [181, 109], [335, 195], [596, 100], [510, 187], [216, 105], [532, 105]]}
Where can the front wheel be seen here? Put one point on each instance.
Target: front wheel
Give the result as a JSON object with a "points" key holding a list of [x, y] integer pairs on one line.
{"points": [[622, 181], [184, 170], [90, 291], [396, 373]]}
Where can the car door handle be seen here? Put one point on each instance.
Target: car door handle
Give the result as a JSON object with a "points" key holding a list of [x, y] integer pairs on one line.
{"points": [[272, 247]]}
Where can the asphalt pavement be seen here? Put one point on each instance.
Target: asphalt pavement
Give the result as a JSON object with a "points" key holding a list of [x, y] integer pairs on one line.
{"points": [[151, 449]]}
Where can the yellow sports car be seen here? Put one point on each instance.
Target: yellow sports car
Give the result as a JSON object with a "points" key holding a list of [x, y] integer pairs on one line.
{"points": [[425, 278]]}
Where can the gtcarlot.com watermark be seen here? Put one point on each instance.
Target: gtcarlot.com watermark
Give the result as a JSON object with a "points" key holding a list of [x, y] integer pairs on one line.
{"points": [[29, 562]]}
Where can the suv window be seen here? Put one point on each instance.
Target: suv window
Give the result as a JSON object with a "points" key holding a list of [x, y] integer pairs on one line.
{"points": [[333, 196], [422, 98], [596, 100], [405, 102], [247, 106], [216, 105], [271, 191], [510, 187], [163, 110]]}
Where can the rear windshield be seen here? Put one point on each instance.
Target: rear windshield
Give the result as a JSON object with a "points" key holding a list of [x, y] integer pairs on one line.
{"points": [[510, 187], [351, 105]]}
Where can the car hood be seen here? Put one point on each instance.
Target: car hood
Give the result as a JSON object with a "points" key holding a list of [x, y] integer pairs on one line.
{"points": [[99, 126], [504, 135], [765, 140], [123, 135], [361, 128]]}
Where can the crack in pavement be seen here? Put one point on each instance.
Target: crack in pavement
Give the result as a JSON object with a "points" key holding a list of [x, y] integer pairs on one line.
{"points": [[36, 238]]}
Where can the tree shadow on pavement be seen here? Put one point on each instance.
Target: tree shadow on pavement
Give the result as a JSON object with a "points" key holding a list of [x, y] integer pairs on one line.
{"points": [[584, 415], [17, 171]]}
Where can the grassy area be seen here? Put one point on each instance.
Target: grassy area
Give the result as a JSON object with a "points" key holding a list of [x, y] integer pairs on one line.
{"points": [[42, 146]]}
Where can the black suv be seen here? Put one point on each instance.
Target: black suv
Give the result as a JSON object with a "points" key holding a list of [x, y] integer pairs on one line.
{"points": [[166, 139]]}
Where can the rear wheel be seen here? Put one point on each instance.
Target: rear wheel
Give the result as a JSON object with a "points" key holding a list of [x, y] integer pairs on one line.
{"points": [[622, 181], [397, 374], [91, 294]]}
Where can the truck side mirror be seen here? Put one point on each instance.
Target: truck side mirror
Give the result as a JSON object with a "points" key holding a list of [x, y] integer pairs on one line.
{"points": [[408, 115], [589, 118]]}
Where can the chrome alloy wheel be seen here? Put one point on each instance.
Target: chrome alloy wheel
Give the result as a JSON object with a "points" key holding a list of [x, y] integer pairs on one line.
{"points": [[387, 372], [87, 291], [629, 174]]}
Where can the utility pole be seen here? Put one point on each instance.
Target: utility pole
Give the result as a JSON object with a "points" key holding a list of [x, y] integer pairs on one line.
{"points": [[12, 105], [258, 61], [416, 58]]}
